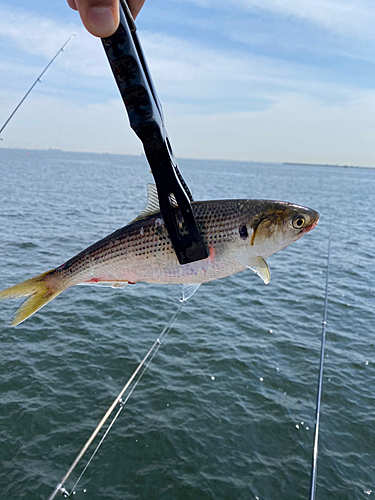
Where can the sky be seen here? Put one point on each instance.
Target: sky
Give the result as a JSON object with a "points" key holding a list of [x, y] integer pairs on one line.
{"points": [[249, 80]]}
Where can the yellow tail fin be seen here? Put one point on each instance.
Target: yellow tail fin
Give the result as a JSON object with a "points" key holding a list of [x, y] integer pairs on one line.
{"points": [[38, 293]]}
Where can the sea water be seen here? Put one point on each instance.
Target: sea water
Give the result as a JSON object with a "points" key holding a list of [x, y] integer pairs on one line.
{"points": [[226, 409]]}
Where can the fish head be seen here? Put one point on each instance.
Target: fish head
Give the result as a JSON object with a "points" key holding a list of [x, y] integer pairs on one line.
{"points": [[278, 225]]}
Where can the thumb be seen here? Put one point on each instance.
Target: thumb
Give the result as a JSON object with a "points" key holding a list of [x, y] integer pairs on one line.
{"points": [[100, 17]]}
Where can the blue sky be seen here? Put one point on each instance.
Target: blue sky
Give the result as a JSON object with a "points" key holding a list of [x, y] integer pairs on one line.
{"points": [[262, 80]]}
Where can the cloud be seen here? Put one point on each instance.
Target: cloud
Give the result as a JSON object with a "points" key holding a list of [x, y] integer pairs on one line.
{"points": [[346, 17], [297, 128], [218, 102], [342, 16], [190, 71], [33, 34], [54, 122], [41, 36]]}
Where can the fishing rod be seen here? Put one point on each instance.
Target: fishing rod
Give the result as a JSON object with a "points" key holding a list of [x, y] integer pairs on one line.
{"points": [[314, 461], [134, 379], [33, 85]]}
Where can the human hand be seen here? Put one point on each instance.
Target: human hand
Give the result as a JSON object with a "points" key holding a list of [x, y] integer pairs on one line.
{"points": [[101, 17]]}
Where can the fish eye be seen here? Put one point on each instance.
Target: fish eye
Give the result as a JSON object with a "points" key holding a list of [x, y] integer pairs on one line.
{"points": [[298, 222]]}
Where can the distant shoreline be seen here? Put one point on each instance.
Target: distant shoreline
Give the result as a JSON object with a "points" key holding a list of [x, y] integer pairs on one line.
{"points": [[58, 151], [322, 165]]}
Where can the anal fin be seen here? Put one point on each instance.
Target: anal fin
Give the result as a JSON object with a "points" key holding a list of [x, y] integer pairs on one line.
{"points": [[188, 291]]}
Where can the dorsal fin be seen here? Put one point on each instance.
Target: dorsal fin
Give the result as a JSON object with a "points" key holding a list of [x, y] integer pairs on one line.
{"points": [[153, 206]]}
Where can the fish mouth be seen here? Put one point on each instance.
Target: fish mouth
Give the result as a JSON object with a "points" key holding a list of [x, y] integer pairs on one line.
{"points": [[311, 224]]}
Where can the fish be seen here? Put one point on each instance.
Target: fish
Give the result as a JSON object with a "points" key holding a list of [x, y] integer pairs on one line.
{"points": [[240, 234]]}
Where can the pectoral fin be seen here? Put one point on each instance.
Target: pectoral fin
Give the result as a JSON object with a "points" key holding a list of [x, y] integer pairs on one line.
{"points": [[258, 265]]}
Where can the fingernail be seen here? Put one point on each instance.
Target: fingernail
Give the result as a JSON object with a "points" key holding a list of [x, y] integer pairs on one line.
{"points": [[102, 21]]}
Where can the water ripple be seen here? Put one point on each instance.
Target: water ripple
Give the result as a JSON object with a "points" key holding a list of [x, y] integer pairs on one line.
{"points": [[226, 410]]}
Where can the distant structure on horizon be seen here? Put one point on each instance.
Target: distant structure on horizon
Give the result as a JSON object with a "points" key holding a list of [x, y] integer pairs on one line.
{"points": [[322, 165]]}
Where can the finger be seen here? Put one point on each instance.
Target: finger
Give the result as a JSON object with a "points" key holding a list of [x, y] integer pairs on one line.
{"points": [[72, 4], [135, 6], [100, 17]]}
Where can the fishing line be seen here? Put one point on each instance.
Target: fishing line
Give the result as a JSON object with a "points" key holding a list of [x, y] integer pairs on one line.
{"points": [[314, 461], [134, 379], [63, 95]]}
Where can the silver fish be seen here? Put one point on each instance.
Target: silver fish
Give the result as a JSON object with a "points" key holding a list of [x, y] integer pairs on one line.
{"points": [[240, 234]]}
